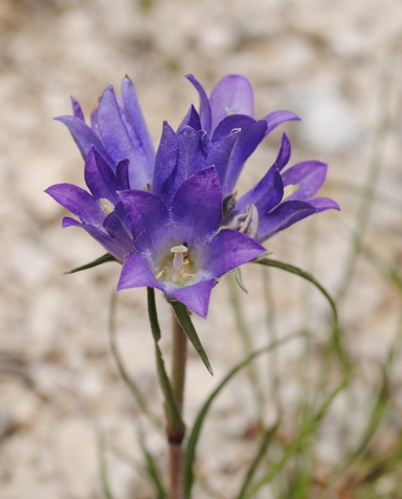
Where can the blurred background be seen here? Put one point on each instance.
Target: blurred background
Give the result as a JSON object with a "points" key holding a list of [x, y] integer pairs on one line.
{"points": [[336, 64]]}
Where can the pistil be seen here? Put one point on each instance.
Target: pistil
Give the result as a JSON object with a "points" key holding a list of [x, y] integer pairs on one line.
{"points": [[178, 258]]}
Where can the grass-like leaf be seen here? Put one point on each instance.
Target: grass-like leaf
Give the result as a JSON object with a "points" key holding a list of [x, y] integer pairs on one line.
{"points": [[132, 385], [246, 339], [152, 470], [369, 191], [103, 471], [185, 321], [99, 261], [309, 428], [268, 262], [172, 412], [189, 455], [341, 351], [376, 416], [262, 450]]}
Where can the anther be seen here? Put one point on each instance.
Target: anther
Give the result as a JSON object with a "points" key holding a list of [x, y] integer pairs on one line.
{"points": [[106, 205], [288, 190]]}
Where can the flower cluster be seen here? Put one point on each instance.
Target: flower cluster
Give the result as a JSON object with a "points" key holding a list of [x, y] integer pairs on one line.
{"points": [[170, 216]]}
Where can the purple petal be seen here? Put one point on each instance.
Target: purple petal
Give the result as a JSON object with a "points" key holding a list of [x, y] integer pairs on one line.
{"points": [[191, 157], [165, 162], [265, 195], [246, 145], [113, 246], [283, 216], [205, 108], [197, 206], [139, 131], [99, 177], [308, 175], [114, 227], [220, 154], [195, 297], [231, 123], [84, 137], [228, 250], [79, 202], [117, 140], [322, 204], [122, 177], [233, 94], [77, 110], [111, 127], [284, 153], [148, 218], [277, 117], [136, 274], [191, 119], [94, 123]]}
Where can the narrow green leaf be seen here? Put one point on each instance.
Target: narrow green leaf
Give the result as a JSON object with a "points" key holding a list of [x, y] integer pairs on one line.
{"points": [[172, 411], [248, 347], [153, 315], [307, 430], [189, 455], [185, 321], [132, 385], [268, 434], [152, 470], [369, 190], [103, 468], [383, 267], [340, 348], [102, 259], [268, 262], [385, 465], [377, 414]]}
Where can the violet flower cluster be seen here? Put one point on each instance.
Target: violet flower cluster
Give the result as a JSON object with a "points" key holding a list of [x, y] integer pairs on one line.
{"points": [[170, 216]]}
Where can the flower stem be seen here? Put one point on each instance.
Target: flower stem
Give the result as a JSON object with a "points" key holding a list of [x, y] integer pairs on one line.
{"points": [[175, 437]]}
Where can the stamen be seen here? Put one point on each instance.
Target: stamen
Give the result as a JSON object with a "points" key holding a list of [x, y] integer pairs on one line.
{"points": [[250, 224], [106, 205], [228, 110], [246, 222], [288, 190], [159, 274]]}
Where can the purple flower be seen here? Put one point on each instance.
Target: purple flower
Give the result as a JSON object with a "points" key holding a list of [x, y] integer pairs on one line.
{"points": [[171, 217], [181, 249], [229, 108], [281, 198], [117, 132], [101, 213]]}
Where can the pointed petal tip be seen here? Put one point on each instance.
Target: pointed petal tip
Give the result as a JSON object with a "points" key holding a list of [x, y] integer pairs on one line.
{"points": [[196, 297], [323, 204], [61, 118]]}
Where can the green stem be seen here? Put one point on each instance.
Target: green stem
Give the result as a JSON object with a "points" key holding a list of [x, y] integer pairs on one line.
{"points": [[175, 438]]}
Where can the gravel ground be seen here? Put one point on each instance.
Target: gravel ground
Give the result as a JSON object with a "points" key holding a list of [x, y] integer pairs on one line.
{"points": [[58, 381]]}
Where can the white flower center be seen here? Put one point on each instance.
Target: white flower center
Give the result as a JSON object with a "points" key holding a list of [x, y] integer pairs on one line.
{"points": [[177, 267]]}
